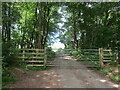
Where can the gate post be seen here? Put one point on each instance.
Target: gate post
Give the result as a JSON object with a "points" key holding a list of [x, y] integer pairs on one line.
{"points": [[23, 55], [100, 57]]}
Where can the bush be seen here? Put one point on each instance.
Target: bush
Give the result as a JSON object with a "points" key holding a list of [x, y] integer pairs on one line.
{"points": [[8, 55], [116, 78], [7, 76], [75, 53], [50, 53], [107, 71]]}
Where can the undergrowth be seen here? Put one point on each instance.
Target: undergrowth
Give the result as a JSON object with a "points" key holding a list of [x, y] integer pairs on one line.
{"points": [[7, 77]]}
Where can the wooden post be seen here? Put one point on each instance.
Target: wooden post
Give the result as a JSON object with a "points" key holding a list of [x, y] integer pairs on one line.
{"points": [[45, 59], [117, 58], [23, 55], [102, 64], [101, 57], [37, 53]]}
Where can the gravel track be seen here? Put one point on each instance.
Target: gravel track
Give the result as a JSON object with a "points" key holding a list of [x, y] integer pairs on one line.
{"points": [[73, 74]]}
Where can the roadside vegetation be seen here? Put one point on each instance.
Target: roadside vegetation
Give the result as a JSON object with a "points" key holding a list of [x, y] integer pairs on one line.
{"points": [[8, 76]]}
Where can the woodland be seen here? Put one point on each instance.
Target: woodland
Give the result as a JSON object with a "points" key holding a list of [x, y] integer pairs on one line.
{"points": [[34, 25]]}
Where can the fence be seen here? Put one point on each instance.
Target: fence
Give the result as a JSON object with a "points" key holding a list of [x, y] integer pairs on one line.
{"points": [[38, 57], [92, 57], [33, 57]]}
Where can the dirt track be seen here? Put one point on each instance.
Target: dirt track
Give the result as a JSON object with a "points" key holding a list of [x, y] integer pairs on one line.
{"points": [[69, 73], [74, 74]]}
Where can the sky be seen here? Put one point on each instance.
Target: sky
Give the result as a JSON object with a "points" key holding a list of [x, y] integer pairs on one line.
{"points": [[57, 44]]}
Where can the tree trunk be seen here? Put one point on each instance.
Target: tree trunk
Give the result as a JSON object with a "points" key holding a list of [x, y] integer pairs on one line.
{"points": [[9, 25], [118, 58], [75, 32], [40, 37]]}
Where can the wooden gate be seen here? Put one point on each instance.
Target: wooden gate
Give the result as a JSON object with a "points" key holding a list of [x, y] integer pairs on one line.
{"points": [[96, 57], [92, 57], [32, 57], [105, 56]]}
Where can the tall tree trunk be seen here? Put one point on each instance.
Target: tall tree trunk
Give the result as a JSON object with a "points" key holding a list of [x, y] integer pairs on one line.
{"points": [[36, 26], [75, 32], [46, 24], [9, 24], [40, 37], [75, 40]]}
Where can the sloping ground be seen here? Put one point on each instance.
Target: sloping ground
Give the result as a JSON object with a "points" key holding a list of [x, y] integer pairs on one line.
{"points": [[68, 73], [35, 79], [74, 74]]}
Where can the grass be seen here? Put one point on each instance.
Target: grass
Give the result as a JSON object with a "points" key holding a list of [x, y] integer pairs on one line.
{"points": [[23, 66], [106, 71], [98, 69], [7, 80], [115, 78], [110, 71], [38, 68]]}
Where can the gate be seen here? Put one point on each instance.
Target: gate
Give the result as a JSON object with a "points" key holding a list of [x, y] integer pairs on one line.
{"points": [[32, 57], [105, 56], [91, 57]]}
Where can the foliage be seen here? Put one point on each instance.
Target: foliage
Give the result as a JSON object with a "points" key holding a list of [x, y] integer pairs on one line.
{"points": [[110, 72], [50, 53], [75, 53], [7, 77], [116, 78], [26, 25], [91, 25], [97, 69]]}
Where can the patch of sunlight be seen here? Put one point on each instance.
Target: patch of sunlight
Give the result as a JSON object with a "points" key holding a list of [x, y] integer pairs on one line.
{"points": [[88, 70], [47, 87], [54, 75], [58, 80], [54, 84], [47, 73], [67, 57], [32, 79], [44, 78], [115, 85], [37, 75], [87, 83], [103, 80]]}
